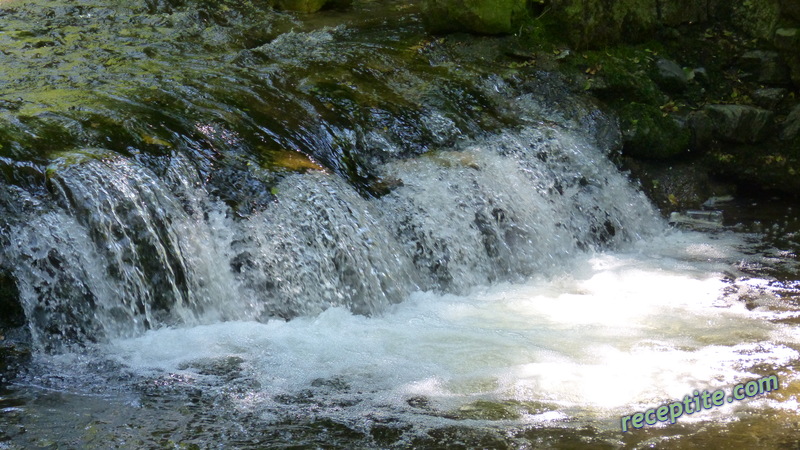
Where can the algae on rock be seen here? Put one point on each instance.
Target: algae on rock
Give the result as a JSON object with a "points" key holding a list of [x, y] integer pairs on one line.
{"points": [[477, 16]]}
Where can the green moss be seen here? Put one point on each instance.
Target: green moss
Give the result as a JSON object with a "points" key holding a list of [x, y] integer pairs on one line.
{"points": [[619, 74], [289, 161], [759, 18], [64, 159], [304, 6], [596, 23], [651, 134], [477, 16]]}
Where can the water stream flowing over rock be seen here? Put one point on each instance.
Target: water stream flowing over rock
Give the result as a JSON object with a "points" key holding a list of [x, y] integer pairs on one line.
{"points": [[225, 225]]}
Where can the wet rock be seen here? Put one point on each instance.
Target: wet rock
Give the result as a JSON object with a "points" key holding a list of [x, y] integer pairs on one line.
{"points": [[734, 123], [791, 128], [13, 358], [768, 67], [677, 185], [476, 16], [670, 76], [11, 313], [769, 98]]}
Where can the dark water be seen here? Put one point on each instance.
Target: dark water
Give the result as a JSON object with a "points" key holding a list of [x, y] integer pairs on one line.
{"points": [[225, 226]]}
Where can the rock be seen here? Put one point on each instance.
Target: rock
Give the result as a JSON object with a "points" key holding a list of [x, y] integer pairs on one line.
{"points": [[757, 18], [700, 74], [11, 313], [767, 66], [787, 39], [670, 76], [676, 185], [702, 130], [596, 23], [648, 134], [769, 98], [738, 123], [14, 356], [304, 6], [790, 8], [794, 69], [677, 12], [791, 127], [476, 16]]}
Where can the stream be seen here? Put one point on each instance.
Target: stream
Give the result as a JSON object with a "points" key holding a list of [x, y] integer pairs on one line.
{"points": [[230, 227]]}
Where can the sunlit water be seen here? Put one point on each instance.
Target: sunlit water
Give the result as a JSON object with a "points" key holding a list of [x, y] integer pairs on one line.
{"points": [[613, 334], [493, 298]]}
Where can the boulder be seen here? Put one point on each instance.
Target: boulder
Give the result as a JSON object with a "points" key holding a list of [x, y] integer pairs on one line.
{"points": [[647, 133], [736, 123], [791, 127], [596, 23], [759, 18], [475, 16], [767, 66], [787, 39], [769, 98], [670, 76], [702, 130]]}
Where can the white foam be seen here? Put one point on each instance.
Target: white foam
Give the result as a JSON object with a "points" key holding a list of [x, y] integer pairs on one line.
{"points": [[625, 331]]}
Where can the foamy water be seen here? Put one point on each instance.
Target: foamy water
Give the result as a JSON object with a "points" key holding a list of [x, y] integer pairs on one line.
{"points": [[620, 332]]}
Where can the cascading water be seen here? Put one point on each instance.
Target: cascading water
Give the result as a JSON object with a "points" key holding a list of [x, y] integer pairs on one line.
{"points": [[124, 250], [419, 254]]}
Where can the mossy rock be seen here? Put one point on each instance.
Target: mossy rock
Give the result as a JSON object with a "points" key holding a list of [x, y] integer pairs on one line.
{"points": [[651, 134], [303, 6], [65, 159], [595, 23], [289, 161], [620, 74], [738, 123], [476, 16], [758, 18]]}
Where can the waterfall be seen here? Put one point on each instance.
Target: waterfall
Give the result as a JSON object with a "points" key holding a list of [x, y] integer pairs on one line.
{"points": [[121, 249]]}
